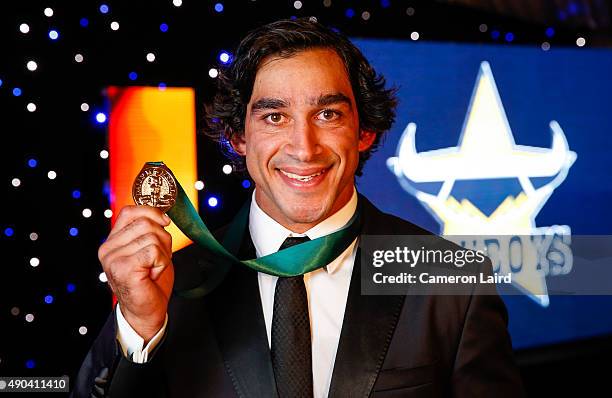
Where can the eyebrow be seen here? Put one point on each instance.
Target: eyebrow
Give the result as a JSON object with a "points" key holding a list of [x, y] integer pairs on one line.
{"points": [[269, 103], [322, 100], [331, 99]]}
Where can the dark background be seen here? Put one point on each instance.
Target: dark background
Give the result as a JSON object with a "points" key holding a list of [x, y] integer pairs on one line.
{"points": [[64, 292]]}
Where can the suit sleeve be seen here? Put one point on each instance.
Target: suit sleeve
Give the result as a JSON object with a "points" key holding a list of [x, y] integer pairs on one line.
{"points": [[106, 372], [99, 363], [485, 366]]}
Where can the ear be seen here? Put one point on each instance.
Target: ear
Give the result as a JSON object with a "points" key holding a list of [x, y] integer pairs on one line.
{"points": [[366, 139], [238, 143]]}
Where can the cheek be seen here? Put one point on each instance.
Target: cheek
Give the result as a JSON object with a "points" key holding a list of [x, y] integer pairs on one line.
{"points": [[351, 162], [346, 148], [261, 148]]}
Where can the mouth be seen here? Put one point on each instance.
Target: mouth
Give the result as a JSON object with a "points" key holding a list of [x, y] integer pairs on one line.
{"points": [[303, 178]]}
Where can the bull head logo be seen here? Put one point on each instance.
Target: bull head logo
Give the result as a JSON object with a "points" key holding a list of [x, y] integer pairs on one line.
{"points": [[486, 152]]}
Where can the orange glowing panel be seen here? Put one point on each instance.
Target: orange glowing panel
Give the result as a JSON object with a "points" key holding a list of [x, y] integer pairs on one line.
{"points": [[148, 124]]}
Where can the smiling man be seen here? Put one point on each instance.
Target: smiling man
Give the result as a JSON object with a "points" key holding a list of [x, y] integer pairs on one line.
{"points": [[302, 138], [302, 109]]}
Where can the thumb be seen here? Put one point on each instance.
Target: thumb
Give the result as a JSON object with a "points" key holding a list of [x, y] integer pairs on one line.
{"points": [[156, 271]]}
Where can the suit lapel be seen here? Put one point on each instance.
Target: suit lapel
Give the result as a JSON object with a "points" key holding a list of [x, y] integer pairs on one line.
{"points": [[239, 325], [367, 329]]}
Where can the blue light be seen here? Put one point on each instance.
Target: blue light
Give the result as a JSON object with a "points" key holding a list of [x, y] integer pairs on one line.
{"points": [[84, 22], [213, 202], [32, 163], [562, 15], [16, 91], [74, 231], [573, 8], [48, 299], [106, 190], [350, 13], [495, 34], [219, 7], [161, 86], [163, 27], [53, 34], [133, 75], [0, 82], [76, 194], [71, 287], [225, 57], [30, 364], [246, 184], [385, 3], [104, 9], [100, 117], [550, 32], [9, 232], [509, 36]]}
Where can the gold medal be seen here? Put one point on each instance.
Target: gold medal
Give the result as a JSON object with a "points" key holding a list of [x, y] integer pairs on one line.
{"points": [[155, 186]]}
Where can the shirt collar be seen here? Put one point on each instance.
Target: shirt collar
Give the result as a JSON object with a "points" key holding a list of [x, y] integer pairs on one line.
{"points": [[268, 235]]}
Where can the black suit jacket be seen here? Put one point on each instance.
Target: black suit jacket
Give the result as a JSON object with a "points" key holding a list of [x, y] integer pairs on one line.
{"points": [[390, 346]]}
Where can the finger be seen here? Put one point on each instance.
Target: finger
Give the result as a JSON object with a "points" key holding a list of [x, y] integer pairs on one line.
{"points": [[130, 213], [143, 252], [138, 231], [151, 256], [128, 269], [134, 246]]}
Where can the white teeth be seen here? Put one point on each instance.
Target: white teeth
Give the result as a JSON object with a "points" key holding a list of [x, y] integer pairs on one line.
{"points": [[299, 177]]}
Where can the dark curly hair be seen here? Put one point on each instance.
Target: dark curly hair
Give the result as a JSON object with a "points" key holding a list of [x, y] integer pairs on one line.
{"points": [[225, 115]]}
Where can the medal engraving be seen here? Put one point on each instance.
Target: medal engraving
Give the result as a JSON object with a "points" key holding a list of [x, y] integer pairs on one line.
{"points": [[155, 186]]}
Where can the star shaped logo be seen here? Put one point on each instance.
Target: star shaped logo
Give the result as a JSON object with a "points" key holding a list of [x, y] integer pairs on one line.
{"points": [[485, 156]]}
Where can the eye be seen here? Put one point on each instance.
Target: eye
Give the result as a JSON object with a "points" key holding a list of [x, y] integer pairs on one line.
{"points": [[274, 118], [328, 115]]}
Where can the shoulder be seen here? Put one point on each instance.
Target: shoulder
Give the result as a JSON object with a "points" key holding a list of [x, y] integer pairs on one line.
{"points": [[377, 222], [398, 230]]}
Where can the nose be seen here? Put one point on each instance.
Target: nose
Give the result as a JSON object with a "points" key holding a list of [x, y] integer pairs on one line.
{"points": [[303, 142]]}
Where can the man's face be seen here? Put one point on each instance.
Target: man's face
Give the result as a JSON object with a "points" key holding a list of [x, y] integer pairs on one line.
{"points": [[302, 138]]}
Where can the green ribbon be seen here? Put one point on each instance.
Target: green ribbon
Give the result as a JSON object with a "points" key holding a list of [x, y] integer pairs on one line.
{"points": [[295, 260]]}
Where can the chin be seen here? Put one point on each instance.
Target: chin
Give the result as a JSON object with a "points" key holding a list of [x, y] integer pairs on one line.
{"points": [[306, 213]]}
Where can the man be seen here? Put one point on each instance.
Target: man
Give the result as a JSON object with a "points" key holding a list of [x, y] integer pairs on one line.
{"points": [[302, 107]]}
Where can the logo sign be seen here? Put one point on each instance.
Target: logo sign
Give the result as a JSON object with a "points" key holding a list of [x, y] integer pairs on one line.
{"points": [[487, 158]]}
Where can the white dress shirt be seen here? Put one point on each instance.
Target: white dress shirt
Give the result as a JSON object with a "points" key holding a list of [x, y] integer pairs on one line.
{"points": [[327, 291]]}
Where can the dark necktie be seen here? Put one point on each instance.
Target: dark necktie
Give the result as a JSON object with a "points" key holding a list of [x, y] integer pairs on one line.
{"points": [[291, 346]]}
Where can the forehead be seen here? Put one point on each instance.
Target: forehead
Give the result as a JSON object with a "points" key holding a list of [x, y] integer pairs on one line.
{"points": [[302, 77]]}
